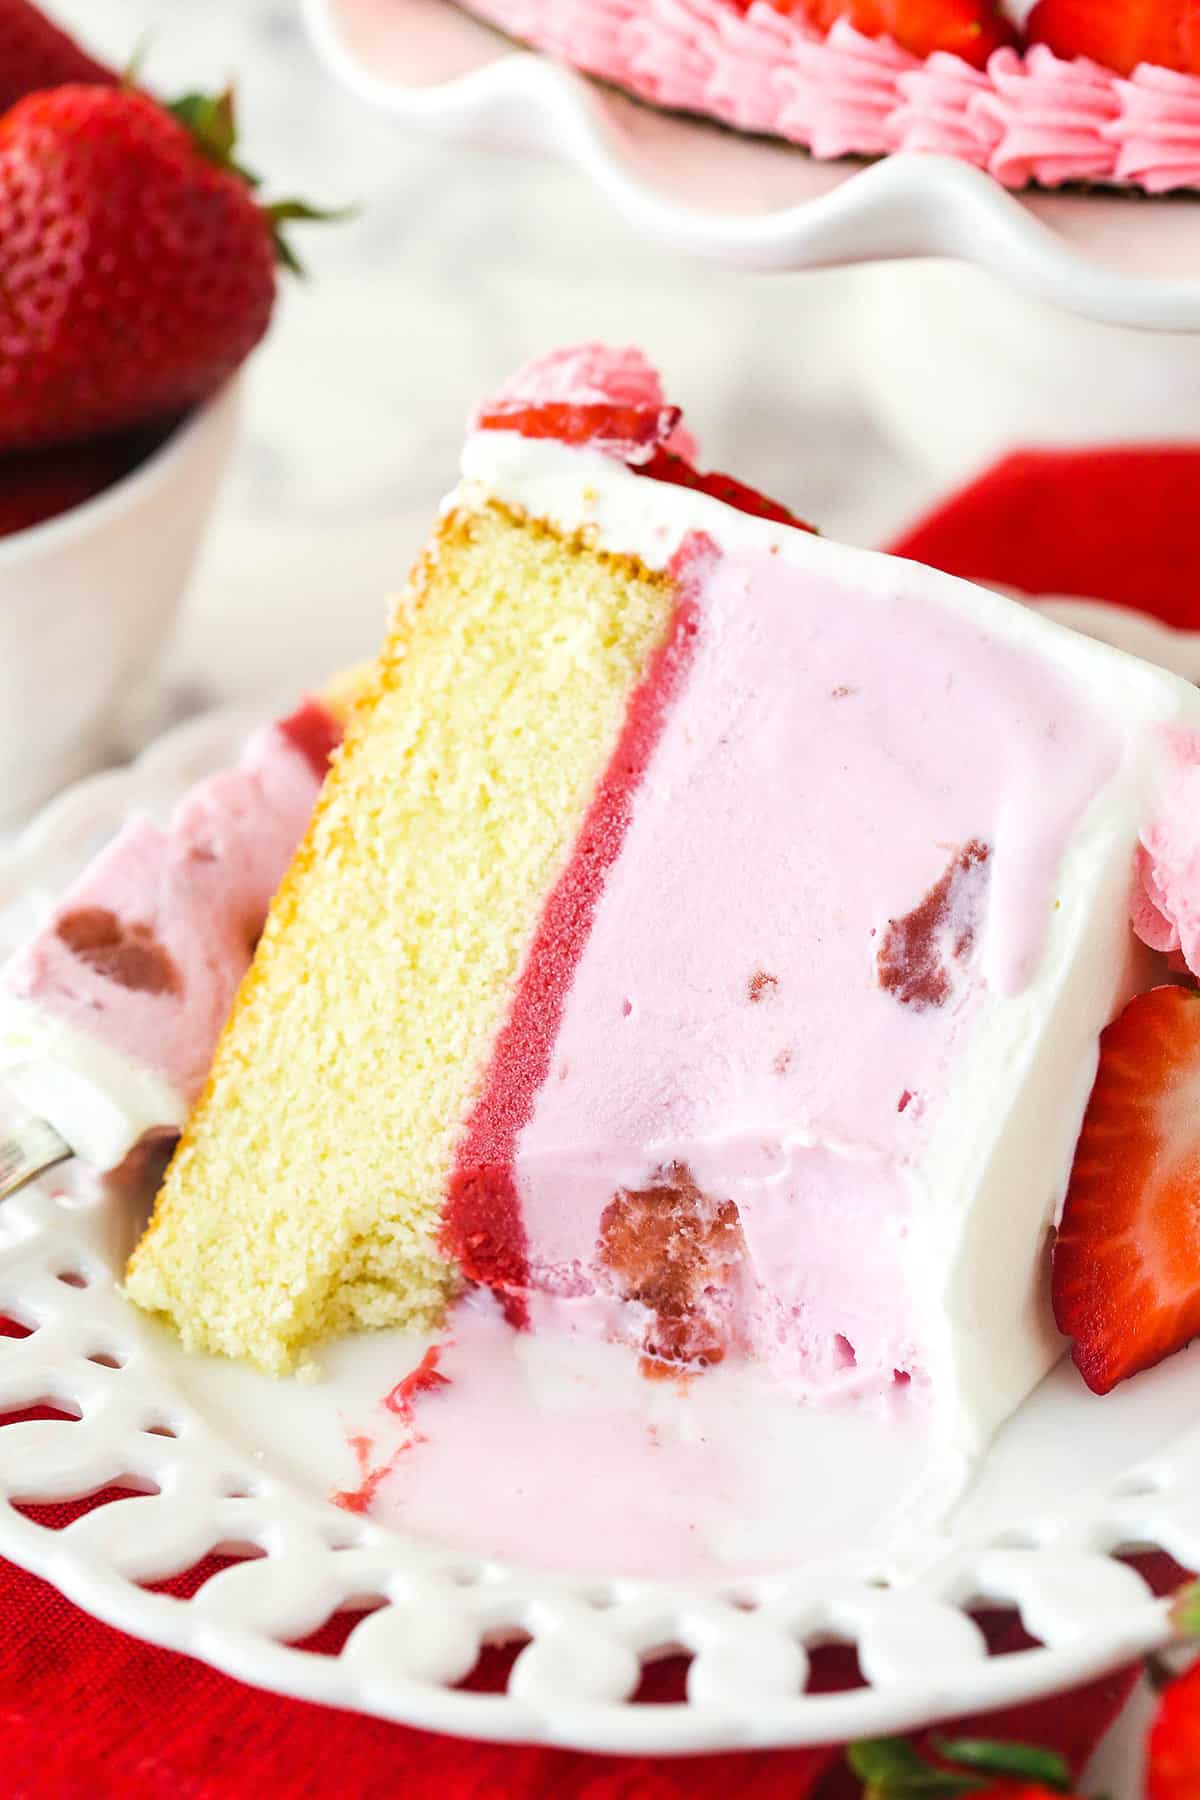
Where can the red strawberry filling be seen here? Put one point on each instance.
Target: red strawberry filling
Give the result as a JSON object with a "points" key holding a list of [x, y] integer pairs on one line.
{"points": [[922, 952], [426, 1378], [130, 955], [666, 1246]]}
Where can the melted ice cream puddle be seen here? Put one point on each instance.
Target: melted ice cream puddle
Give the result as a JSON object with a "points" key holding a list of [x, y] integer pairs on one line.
{"points": [[558, 1453]]}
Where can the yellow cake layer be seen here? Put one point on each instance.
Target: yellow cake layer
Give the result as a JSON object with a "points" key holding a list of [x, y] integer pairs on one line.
{"points": [[304, 1198]]}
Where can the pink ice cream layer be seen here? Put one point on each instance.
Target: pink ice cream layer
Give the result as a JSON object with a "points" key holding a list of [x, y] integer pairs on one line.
{"points": [[822, 882], [146, 950], [1028, 118]]}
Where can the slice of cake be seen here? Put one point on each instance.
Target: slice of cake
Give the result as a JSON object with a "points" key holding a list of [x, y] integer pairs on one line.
{"points": [[703, 940]]}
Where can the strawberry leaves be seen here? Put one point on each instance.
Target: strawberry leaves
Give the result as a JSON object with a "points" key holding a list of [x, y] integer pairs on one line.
{"points": [[1016, 1762], [1185, 1611], [211, 119], [891, 1769], [894, 1769], [282, 212]]}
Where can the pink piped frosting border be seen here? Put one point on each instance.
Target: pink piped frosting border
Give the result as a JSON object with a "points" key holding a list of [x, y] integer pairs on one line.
{"points": [[1027, 118]]}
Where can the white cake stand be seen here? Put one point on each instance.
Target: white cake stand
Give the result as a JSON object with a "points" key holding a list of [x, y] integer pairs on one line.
{"points": [[1116, 259]]}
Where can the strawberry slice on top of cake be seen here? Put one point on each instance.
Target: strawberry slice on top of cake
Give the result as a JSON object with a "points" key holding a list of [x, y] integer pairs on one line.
{"points": [[703, 940]]}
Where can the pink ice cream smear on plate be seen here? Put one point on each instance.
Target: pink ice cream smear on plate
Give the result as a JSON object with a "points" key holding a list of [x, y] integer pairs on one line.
{"points": [[145, 952]]}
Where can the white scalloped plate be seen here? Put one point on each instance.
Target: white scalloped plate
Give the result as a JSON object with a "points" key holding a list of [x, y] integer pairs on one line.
{"points": [[1121, 260], [226, 1460]]}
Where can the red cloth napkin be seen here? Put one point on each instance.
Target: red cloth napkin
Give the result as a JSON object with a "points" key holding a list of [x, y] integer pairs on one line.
{"points": [[86, 1711], [1115, 525]]}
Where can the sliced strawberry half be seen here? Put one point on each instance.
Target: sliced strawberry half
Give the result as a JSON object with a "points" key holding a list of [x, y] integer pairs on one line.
{"points": [[1126, 1273], [631, 433], [664, 465], [1120, 34], [971, 29]]}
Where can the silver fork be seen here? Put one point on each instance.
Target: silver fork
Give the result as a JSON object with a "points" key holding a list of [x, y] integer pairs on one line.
{"points": [[26, 1149]]}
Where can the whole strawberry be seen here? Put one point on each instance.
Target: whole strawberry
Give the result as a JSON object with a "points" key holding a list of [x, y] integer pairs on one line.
{"points": [[35, 54], [137, 268]]}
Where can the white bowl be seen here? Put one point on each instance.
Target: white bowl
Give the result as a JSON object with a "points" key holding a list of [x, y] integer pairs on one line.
{"points": [[958, 369], [86, 601]]}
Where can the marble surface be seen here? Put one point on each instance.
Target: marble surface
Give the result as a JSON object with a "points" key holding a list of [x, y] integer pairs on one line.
{"points": [[457, 267]]}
